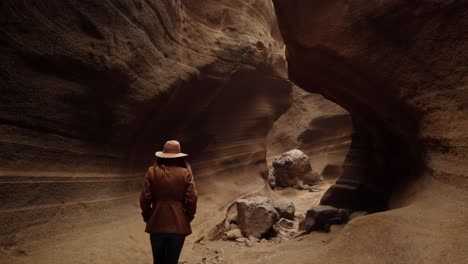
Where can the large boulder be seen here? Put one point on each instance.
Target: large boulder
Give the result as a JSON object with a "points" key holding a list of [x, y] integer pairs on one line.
{"points": [[256, 215], [293, 168], [320, 217], [285, 208]]}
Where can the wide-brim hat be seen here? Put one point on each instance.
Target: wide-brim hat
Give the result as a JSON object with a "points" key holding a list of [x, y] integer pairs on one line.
{"points": [[171, 150]]}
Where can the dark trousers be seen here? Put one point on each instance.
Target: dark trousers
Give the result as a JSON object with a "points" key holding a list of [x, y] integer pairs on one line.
{"points": [[166, 247]]}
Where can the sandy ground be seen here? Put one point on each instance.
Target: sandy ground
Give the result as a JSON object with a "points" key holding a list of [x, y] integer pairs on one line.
{"points": [[431, 228], [124, 241]]}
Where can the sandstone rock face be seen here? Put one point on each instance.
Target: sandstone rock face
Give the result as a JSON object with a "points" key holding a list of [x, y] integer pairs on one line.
{"points": [[285, 208], [399, 69], [293, 168], [90, 89], [256, 216], [402, 97]]}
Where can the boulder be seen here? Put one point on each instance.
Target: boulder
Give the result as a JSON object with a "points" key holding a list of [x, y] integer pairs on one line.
{"points": [[285, 208], [256, 216], [293, 168], [320, 217]]}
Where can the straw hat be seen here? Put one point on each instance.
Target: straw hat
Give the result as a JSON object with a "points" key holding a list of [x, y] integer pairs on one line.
{"points": [[171, 150]]}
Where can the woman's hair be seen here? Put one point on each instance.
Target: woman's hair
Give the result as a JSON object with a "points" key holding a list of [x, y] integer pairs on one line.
{"points": [[172, 162]]}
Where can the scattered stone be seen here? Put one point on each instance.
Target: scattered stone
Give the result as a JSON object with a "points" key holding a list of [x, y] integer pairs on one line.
{"points": [[313, 189], [276, 240], [256, 216], [320, 217], [271, 181], [357, 214], [285, 208], [233, 226], [284, 228], [293, 168], [241, 239], [249, 243], [253, 239], [263, 241], [233, 234]]}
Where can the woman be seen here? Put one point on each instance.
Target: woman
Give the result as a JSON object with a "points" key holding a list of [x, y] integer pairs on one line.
{"points": [[168, 203]]}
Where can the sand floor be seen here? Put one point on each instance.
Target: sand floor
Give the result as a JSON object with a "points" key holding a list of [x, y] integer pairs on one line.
{"points": [[431, 228]]}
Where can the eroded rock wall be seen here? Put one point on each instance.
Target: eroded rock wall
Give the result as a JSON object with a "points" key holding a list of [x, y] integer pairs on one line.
{"points": [[400, 69], [90, 89]]}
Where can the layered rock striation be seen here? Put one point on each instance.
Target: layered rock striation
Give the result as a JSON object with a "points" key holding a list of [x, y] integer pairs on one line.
{"points": [[90, 89], [399, 68]]}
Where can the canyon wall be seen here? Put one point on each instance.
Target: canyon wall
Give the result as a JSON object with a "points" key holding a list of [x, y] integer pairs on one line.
{"points": [[91, 89], [400, 69]]}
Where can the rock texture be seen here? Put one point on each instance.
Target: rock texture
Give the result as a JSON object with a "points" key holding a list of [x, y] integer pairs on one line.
{"points": [[293, 168], [399, 68], [90, 89], [407, 102], [318, 127], [321, 217], [285, 208], [256, 216]]}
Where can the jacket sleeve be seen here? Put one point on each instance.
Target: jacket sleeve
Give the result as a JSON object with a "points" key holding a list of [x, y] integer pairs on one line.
{"points": [[146, 197], [190, 195]]}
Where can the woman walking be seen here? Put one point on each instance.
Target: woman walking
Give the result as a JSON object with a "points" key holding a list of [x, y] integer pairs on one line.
{"points": [[168, 203]]}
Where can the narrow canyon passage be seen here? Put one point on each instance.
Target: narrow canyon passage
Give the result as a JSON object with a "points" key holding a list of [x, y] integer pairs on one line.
{"points": [[373, 92]]}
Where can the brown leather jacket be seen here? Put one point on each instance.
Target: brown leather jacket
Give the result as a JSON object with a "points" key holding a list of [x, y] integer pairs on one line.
{"points": [[168, 201]]}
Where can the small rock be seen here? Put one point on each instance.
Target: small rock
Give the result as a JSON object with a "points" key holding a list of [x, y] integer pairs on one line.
{"points": [[233, 234], [271, 181], [249, 243], [284, 223], [284, 228], [320, 217], [313, 189], [253, 239], [233, 226], [241, 239], [263, 241], [285, 208]]}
